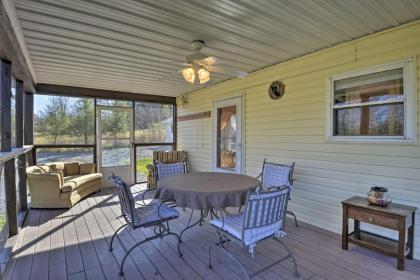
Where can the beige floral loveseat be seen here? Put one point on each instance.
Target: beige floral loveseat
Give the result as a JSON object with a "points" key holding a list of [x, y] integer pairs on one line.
{"points": [[61, 184]]}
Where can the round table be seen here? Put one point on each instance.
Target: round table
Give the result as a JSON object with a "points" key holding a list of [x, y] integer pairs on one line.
{"points": [[205, 191]]}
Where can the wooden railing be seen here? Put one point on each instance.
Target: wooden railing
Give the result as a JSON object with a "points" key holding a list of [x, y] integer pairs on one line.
{"points": [[16, 208], [10, 161]]}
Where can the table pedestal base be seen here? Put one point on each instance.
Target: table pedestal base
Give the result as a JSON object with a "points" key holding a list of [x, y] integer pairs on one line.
{"points": [[203, 214]]}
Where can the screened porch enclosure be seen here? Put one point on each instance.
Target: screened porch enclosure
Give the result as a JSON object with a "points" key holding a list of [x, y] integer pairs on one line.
{"points": [[251, 124], [110, 132]]}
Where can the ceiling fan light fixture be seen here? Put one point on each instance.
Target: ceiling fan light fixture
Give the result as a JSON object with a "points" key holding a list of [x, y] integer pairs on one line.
{"points": [[203, 75], [189, 75]]}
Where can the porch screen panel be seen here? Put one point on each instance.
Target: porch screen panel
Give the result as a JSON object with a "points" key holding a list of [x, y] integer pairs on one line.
{"points": [[63, 120], [154, 123], [115, 137], [46, 155], [144, 157], [370, 105]]}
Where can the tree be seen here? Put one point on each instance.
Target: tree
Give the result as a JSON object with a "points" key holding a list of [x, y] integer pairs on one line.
{"points": [[115, 123], [55, 116], [83, 118]]}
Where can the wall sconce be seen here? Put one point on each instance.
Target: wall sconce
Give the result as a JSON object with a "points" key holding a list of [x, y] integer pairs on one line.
{"points": [[184, 101]]}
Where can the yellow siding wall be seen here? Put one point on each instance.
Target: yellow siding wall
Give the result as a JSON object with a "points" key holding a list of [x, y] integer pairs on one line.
{"points": [[293, 129]]}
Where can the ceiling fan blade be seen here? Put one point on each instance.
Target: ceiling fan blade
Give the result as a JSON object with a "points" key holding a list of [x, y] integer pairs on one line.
{"points": [[229, 72], [211, 60]]}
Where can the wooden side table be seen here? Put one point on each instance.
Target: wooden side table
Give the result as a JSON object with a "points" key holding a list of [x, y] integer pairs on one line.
{"points": [[392, 217]]}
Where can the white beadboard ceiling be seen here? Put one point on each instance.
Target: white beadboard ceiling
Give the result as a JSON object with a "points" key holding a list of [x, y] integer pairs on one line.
{"points": [[136, 46]]}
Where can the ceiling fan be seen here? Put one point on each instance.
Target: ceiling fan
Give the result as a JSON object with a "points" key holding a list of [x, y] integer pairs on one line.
{"points": [[199, 66]]}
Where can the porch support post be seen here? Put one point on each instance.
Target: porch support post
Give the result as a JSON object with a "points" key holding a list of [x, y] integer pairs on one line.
{"points": [[21, 161], [6, 144], [29, 124]]}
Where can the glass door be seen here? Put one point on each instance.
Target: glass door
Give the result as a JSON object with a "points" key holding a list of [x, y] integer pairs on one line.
{"points": [[227, 139], [115, 143]]}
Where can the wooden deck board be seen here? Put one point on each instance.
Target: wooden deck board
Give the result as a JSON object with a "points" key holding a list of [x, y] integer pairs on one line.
{"points": [[73, 244]]}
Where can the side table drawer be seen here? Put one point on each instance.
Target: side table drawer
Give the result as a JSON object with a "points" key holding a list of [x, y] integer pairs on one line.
{"points": [[373, 218]]}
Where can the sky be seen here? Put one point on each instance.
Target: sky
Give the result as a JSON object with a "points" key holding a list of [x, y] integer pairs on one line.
{"points": [[39, 102]]}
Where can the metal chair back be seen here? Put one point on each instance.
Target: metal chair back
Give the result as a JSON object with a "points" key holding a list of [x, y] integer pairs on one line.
{"points": [[126, 199], [265, 214], [277, 175]]}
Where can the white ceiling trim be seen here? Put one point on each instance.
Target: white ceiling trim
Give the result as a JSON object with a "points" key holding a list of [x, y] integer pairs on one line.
{"points": [[9, 6]]}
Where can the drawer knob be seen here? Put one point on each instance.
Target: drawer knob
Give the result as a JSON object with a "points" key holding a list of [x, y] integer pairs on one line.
{"points": [[370, 219]]}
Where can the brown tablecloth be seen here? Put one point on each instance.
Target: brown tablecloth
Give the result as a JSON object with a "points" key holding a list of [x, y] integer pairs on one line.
{"points": [[205, 190]]}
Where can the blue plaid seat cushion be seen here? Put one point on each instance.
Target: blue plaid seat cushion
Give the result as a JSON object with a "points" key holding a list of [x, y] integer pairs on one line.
{"points": [[170, 169], [232, 224], [276, 175], [153, 213]]}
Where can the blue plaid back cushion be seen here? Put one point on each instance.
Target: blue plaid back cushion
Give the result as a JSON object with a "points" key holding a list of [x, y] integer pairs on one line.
{"points": [[170, 169]]}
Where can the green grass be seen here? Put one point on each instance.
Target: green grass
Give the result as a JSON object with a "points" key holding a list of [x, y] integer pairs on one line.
{"points": [[142, 163], [2, 221]]}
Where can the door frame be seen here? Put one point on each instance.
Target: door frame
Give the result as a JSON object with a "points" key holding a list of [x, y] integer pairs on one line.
{"points": [[132, 165], [237, 100]]}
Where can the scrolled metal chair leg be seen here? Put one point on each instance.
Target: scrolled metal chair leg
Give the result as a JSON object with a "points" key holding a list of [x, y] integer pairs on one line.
{"points": [[128, 253], [114, 235], [243, 268], [294, 217], [144, 241], [210, 263], [179, 242], [289, 255]]}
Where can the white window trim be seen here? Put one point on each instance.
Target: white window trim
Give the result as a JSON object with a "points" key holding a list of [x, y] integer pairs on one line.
{"points": [[410, 105]]}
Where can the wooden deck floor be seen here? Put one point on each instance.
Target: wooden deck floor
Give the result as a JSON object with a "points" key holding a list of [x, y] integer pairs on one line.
{"points": [[73, 244]]}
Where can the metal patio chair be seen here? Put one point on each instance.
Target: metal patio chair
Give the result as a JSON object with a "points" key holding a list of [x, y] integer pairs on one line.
{"points": [[143, 214], [263, 218], [275, 175]]}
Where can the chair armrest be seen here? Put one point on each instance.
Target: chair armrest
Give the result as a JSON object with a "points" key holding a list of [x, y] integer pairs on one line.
{"points": [[47, 177], [150, 168], [151, 177], [60, 173], [44, 186]]}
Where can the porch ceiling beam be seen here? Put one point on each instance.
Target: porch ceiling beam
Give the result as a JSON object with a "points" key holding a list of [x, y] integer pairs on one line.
{"points": [[49, 89]]}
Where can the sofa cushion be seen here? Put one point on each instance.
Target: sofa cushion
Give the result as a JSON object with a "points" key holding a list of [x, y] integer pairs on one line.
{"points": [[45, 168], [71, 168], [73, 182], [34, 169], [56, 166], [87, 168]]}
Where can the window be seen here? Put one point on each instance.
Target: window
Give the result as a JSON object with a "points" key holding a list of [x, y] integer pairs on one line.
{"points": [[226, 137], [63, 120], [154, 123], [375, 103]]}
